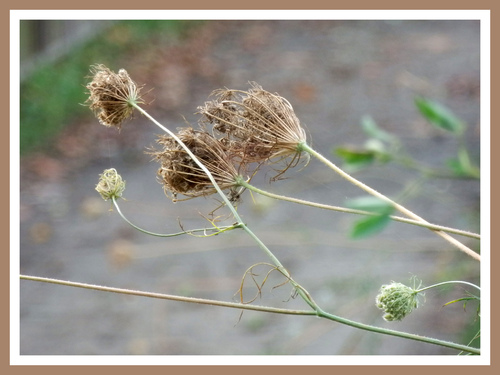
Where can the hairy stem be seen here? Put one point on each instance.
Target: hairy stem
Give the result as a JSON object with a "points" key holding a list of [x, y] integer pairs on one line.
{"points": [[449, 282], [405, 335], [257, 190], [407, 212], [168, 296], [215, 230], [240, 222], [318, 312]]}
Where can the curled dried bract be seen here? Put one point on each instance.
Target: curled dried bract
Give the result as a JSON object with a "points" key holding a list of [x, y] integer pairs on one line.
{"points": [[112, 95], [255, 116], [180, 174], [258, 125]]}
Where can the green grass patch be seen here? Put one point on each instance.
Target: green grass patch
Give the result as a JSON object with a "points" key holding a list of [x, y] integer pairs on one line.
{"points": [[53, 95]]}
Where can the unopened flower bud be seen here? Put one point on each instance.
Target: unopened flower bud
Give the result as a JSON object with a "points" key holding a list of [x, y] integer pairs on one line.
{"points": [[110, 184], [397, 300]]}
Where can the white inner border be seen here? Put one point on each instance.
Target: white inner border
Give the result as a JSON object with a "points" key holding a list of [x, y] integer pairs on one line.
{"points": [[208, 14]]}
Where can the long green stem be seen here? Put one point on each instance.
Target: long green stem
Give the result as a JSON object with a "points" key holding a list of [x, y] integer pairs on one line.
{"points": [[305, 147], [318, 312], [257, 190], [300, 290], [449, 282], [405, 335], [168, 296], [241, 224], [216, 230]]}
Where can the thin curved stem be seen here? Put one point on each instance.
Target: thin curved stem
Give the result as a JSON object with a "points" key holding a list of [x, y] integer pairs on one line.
{"points": [[257, 190], [449, 282], [305, 147], [215, 230], [317, 312]]}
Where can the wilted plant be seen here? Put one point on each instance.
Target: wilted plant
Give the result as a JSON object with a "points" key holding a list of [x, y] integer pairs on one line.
{"points": [[259, 125], [178, 172], [112, 95], [250, 129]]}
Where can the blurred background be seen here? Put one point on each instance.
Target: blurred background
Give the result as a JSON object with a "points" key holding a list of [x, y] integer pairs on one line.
{"points": [[334, 73]]}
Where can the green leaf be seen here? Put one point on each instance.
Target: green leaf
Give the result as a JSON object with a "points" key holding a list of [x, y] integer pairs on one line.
{"points": [[439, 116], [353, 156], [371, 128], [369, 226], [373, 224], [460, 300], [461, 169], [370, 204], [357, 158]]}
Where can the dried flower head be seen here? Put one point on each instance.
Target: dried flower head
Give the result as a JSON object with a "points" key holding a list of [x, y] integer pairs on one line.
{"points": [[261, 125], [397, 300], [180, 174], [110, 184], [112, 95]]}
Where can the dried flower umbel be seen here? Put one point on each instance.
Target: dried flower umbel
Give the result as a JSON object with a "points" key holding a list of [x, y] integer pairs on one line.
{"points": [[112, 95], [111, 185], [257, 124], [180, 174]]}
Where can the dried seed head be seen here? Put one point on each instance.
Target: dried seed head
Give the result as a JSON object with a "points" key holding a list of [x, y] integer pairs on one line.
{"points": [[180, 174], [397, 300], [110, 184], [262, 125], [111, 95]]}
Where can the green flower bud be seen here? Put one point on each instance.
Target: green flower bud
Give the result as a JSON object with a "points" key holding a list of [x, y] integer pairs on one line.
{"points": [[110, 184], [397, 300]]}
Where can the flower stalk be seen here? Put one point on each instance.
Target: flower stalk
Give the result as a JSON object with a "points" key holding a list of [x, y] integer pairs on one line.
{"points": [[242, 182], [253, 127], [215, 230], [319, 312], [381, 196]]}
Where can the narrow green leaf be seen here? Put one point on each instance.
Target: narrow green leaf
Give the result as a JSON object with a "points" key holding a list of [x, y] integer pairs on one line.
{"points": [[358, 158], [439, 116], [458, 168], [369, 226], [371, 204], [373, 224], [371, 128], [353, 156], [460, 300]]}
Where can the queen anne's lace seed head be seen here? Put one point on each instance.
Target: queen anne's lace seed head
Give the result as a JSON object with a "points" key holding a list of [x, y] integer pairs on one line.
{"points": [[112, 95], [180, 174], [260, 125]]}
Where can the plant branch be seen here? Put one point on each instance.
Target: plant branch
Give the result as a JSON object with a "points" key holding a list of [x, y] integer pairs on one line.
{"points": [[170, 297], [318, 312], [405, 335], [215, 229], [302, 292], [407, 212], [257, 190], [449, 282]]}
